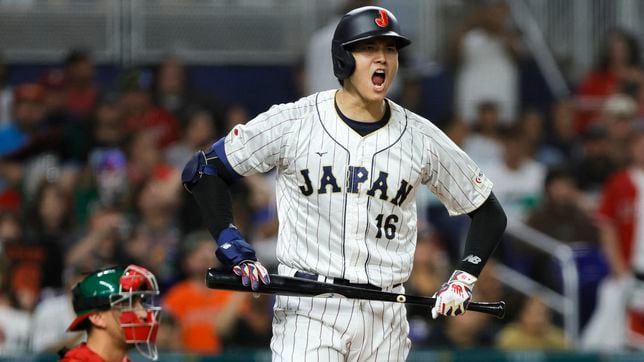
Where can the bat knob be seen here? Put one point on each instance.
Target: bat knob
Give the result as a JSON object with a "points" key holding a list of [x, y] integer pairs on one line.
{"points": [[500, 314]]}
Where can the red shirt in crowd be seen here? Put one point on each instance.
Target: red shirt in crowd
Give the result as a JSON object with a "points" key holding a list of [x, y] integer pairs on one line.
{"points": [[619, 205], [156, 120], [81, 102], [598, 85]]}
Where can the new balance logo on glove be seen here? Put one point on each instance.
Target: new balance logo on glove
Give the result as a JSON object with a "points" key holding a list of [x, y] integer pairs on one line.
{"points": [[472, 259]]}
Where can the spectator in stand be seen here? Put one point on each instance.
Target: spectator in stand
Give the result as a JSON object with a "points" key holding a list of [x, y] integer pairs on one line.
{"points": [[485, 55], [14, 325], [458, 131], [108, 185], [82, 92], [10, 227], [595, 164], [49, 225], [106, 179], [518, 177], [532, 126], [620, 227], [24, 262], [468, 331], [29, 147], [562, 137], [6, 95], [17, 292], [197, 134], [102, 243], [252, 325], [205, 315], [10, 199], [71, 147], [173, 92], [141, 114], [108, 125], [617, 68], [53, 81], [564, 212], [53, 315], [155, 242], [169, 337], [29, 114], [533, 330], [618, 114], [483, 144], [145, 158]]}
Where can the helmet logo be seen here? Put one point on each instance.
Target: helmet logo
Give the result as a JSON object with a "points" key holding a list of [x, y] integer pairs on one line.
{"points": [[383, 20]]}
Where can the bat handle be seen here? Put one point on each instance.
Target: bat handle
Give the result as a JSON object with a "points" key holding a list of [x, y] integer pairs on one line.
{"points": [[496, 309]]}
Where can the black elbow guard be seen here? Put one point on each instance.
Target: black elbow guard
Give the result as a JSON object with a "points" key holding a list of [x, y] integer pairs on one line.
{"points": [[196, 168]]}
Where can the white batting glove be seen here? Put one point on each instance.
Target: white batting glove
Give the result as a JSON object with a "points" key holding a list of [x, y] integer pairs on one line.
{"points": [[454, 296]]}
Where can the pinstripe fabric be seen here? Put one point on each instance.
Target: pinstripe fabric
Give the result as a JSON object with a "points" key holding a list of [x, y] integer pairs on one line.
{"points": [[338, 329], [346, 209]]}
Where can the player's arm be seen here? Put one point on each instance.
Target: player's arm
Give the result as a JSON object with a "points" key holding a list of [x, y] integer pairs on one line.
{"points": [[208, 177], [487, 227]]}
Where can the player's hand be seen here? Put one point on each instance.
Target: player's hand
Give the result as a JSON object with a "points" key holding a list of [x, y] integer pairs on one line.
{"points": [[235, 252], [454, 296], [252, 272]]}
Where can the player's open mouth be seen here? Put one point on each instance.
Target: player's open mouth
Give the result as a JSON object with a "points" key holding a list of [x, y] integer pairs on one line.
{"points": [[378, 78]]}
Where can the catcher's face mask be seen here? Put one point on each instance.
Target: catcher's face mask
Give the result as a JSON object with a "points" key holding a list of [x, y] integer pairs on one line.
{"points": [[138, 304]]}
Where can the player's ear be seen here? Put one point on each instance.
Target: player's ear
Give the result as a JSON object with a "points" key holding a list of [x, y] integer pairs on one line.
{"points": [[98, 319]]}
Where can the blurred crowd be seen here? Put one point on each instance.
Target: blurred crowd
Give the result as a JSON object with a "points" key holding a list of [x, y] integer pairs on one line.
{"points": [[89, 177]]}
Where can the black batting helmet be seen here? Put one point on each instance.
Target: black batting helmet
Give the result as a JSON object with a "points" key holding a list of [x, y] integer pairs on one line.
{"points": [[360, 24]]}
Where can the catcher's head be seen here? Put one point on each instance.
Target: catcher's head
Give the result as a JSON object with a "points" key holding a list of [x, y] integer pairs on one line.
{"points": [[121, 301]]}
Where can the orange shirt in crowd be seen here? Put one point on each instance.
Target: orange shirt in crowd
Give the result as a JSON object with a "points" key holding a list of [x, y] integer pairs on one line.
{"points": [[195, 308]]}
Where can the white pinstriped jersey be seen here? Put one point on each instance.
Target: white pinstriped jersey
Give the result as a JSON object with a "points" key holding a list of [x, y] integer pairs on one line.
{"points": [[346, 203]]}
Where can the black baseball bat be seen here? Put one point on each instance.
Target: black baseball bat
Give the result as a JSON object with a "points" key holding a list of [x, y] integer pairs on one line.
{"points": [[283, 285]]}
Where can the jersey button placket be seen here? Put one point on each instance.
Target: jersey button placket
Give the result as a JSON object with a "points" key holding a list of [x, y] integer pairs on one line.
{"points": [[353, 200]]}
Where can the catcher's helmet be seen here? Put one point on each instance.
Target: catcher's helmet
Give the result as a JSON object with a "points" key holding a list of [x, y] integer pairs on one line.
{"points": [[133, 291], [360, 24]]}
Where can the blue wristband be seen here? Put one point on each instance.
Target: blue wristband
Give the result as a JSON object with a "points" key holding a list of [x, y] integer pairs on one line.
{"points": [[233, 248]]}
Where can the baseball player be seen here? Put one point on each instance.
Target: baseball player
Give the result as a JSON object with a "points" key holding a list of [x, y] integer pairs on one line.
{"points": [[348, 162], [117, 308]]}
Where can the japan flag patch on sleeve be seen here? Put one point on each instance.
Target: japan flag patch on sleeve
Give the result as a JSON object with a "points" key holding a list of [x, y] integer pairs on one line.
{"points": [[479, 179]]}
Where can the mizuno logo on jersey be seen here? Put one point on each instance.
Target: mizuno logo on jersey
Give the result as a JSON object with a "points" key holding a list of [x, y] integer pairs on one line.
{"points": [[472, 259], [356, 177]]}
